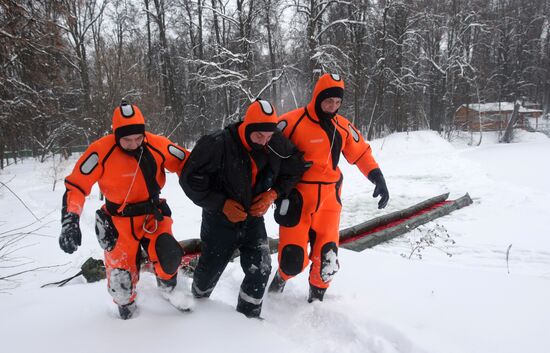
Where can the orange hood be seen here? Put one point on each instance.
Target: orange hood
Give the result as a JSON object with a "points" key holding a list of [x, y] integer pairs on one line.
{"points": [[127, 120], [260, 116], [328, 85]]}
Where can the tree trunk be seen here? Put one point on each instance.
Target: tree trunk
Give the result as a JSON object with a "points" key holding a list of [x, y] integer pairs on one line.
{"points": [[165, 63], [508, 133], [84, 76], [199, 30], [272, 61], [149, 48], [312, 43], [2, 154], [216, 25]]}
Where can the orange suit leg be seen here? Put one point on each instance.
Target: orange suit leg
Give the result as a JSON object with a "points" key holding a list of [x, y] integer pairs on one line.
{"points": [[121, 262], [162, 248], [293, 241], [325, 239]]}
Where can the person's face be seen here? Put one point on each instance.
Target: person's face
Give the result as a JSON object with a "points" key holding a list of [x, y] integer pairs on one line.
{"points": [[331, 105], [261, 137], [131, 142]]}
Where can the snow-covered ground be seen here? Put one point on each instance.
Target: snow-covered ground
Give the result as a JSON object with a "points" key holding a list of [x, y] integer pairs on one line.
{"points": [[384, 299]]}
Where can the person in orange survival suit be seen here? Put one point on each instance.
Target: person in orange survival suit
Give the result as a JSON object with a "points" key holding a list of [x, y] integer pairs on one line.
{"points": [[235, 175], [129, 166], [311, 213]]}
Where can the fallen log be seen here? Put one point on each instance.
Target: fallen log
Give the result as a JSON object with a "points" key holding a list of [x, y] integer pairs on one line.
{"points": [[383, 228], [372, 232], [385, 220]]}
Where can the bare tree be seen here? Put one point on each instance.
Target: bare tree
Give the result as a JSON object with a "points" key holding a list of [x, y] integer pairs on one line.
{"points": [[198, 63], [79, 17], [508, 132]]}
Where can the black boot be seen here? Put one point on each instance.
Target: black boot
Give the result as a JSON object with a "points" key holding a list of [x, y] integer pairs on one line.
{"points": [[315, 293], [127, 311], [198, 294], [251, 311], [277, 285], [167, 285]]}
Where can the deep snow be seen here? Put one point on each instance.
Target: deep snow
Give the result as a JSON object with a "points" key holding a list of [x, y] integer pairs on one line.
{"points": [[380, 301]]}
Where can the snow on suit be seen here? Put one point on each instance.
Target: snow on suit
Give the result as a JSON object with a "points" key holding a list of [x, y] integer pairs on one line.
{"points": [[133, 215], [226, 168]]}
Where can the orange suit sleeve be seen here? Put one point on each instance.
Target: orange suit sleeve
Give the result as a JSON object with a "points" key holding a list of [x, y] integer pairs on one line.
{"points": [[86, 172], [356, 150], [175, 156]]}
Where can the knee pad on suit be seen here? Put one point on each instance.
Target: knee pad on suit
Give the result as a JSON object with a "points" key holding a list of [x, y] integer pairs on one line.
{"points": [[329, 261], [120, 286], [169, 253], [292, 260]]}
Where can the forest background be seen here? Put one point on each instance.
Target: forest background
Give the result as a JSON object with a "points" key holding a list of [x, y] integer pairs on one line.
{"points": [[193, 66]]}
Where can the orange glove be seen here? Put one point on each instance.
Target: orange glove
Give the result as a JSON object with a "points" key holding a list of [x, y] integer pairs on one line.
{"points": [[261, 203], [234, 211]]}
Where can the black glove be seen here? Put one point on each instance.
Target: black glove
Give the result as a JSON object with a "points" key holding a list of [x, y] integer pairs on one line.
{"points": [[70, 237], [376, 177]]}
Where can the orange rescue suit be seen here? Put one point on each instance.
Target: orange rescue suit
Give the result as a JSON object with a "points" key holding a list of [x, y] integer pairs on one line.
{"points": [[126, 187], [312, 214]]}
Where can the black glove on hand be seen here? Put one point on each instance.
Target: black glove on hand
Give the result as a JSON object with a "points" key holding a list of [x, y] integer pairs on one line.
{"points": [[376, 177], [70, 237]]}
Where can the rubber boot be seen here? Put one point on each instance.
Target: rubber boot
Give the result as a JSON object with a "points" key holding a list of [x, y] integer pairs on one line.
{"points": [[127, 311], [277, 285], [251, 311], [315, 293], [167, 285]]}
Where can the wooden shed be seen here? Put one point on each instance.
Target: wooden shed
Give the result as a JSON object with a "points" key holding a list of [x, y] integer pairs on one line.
{"points": [[492, 116]]}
